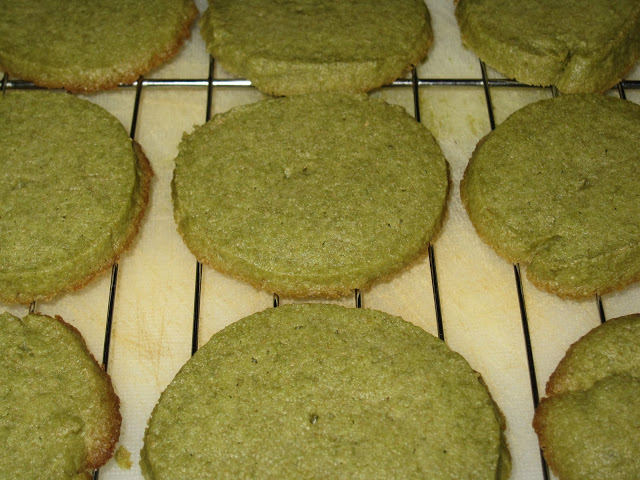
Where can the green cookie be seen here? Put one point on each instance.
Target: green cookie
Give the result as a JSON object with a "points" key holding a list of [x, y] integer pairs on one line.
{"points": [[321, 391], [302, 46], [60, 416], [86, 46], [310, 195], [556, 187], [580, 46], [73, 188]]}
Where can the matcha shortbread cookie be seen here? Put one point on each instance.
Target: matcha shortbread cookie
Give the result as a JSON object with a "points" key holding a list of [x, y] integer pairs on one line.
{"points": [[294, 47], [60, 415], [310, 195], [323, 391], [88, 46], [580, 46], [589, 424], [74, 189], [610, 349], [556, 187]]}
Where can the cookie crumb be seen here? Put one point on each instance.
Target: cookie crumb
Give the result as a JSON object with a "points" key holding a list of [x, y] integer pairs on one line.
{"points": [[123, 458]]}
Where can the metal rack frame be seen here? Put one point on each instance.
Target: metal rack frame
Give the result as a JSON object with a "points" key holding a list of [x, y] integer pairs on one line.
{"points": [[416, 84]]}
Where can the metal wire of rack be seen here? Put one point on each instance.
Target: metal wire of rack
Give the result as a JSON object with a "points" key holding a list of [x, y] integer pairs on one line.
{"points": [[417, 84]]}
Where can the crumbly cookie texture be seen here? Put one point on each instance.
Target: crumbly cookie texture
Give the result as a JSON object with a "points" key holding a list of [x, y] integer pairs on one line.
{"points": [[580, 46], [323, 391], [74, 191], [60, 415], [295, 47], [588, 423], [310, 195], [87, 46], [556, 187]]}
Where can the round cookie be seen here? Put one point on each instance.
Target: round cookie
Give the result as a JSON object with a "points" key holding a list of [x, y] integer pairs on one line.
{"points": [[310, 195], [60, 415], [73, 188], [580, 46], [610, 349], [593, 433], [88, 46], [588, 425], [294, 47], [323, 391], [556, 187]]}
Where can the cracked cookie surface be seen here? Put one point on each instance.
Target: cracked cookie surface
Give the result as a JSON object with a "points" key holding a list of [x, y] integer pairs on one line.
{"points": [[587, 424], [580, 46]]}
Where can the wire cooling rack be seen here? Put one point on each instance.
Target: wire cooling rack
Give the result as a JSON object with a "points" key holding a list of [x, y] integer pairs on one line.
{"points": [[418, 86]]}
